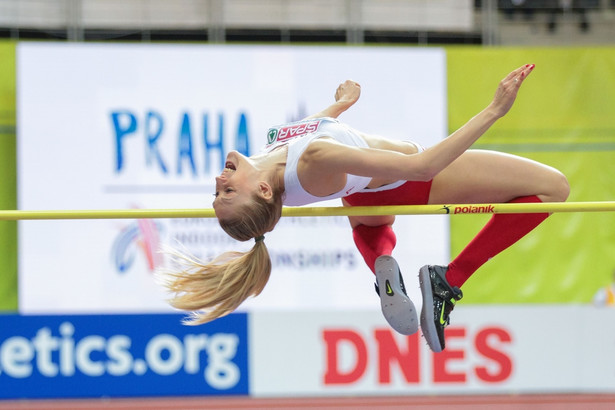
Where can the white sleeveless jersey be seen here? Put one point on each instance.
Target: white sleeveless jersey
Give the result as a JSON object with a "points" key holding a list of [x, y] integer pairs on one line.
{"points": [[298, 135]]}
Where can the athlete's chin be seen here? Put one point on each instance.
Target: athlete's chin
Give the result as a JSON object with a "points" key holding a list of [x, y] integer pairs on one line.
{"points": [[224, 212]]}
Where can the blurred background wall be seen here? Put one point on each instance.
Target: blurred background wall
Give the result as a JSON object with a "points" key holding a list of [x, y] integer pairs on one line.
{"points": [[487, 22]]}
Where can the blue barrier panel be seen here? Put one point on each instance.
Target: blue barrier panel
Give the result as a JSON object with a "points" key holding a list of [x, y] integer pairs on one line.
{"points": [[121, 355]]}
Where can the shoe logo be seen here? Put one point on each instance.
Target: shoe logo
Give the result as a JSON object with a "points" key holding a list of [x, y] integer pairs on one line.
{"points": [[389, 290], [442, 320]]}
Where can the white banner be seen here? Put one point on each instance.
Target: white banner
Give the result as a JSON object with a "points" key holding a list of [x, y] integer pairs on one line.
{"points": [[489, 350], [148, 126]]}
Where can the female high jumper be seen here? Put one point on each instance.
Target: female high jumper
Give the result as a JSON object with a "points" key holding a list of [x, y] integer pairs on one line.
{"points": [[319, 158]]}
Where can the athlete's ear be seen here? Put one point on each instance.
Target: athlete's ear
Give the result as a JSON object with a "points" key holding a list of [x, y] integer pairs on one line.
{"points": [[265, 190]]}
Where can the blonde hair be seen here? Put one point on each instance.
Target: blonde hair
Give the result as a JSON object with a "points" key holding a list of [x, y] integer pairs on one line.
{"points": [[216, 288]]}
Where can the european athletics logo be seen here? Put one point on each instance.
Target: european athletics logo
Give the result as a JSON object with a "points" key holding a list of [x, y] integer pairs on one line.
{"points": [[141, 236]]}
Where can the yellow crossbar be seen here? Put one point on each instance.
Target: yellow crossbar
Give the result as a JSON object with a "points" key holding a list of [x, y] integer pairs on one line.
{"points": [[459, 209]]}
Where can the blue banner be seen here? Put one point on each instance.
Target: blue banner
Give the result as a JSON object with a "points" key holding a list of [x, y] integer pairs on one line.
{"points": [[121, 355]]}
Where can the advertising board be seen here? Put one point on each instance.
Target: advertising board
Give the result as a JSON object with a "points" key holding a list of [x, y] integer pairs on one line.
{"points": [[121, 355], [148, 126]]}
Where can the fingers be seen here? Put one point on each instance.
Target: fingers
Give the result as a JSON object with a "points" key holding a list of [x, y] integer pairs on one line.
{"points": [[351, 83], [526, 70], [348, 84], [348, 88], [520, 74], [506, 92], [513, 74]]}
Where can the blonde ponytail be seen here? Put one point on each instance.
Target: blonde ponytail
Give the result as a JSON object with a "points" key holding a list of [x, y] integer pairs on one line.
{"points": [[215, 289]]}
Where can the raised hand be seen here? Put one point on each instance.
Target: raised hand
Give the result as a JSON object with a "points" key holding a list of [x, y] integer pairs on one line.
{"points": [[348, 92], [506, 92]]}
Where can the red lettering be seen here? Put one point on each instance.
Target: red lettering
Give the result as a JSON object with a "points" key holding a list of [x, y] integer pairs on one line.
{"points": [[474, 209], [333, 339], [389, 353], [500, 358], [347, 356], [440, 360], [297, 130]]}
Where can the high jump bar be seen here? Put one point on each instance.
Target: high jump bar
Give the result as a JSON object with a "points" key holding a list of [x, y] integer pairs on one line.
{"points": [[457, 209]]}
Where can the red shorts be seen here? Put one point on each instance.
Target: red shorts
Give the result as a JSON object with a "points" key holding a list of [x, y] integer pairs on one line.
{"points": [[410, 193]]}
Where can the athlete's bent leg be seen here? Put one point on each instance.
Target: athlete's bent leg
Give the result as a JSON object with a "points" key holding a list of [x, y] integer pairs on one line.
{"points": [[483, 177]]}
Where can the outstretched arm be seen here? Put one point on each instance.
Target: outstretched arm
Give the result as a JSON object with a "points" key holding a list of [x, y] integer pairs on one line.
{"points": [[345, 96], [426, 165]]}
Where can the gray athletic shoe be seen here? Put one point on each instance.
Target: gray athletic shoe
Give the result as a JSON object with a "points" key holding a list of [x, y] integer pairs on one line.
{"points": [[439, 299], [397, 307]]}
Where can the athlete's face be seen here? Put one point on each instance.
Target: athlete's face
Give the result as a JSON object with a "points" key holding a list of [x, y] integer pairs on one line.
{"points": [[235, 185]]}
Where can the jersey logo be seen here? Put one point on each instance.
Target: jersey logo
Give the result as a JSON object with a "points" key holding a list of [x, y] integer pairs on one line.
{"points": [[272, 135], [286, 132]]}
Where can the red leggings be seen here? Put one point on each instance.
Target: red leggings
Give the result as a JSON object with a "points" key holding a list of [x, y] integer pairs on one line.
{"points": [[410, 193], [499, 233], [374, 241]]}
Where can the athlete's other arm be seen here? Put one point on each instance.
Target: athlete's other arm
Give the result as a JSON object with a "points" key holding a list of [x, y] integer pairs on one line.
{"points": [[345, 96]]}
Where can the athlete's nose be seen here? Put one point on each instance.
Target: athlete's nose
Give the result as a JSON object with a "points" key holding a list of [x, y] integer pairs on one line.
{"points": [[219, 183]]}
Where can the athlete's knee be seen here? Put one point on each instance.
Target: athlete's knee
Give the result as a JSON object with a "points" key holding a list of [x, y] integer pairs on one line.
{"points": [[559, 188], [562, 188]]}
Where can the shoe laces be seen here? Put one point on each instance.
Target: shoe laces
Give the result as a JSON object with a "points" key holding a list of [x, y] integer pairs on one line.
{"points": [[447, 295]]}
